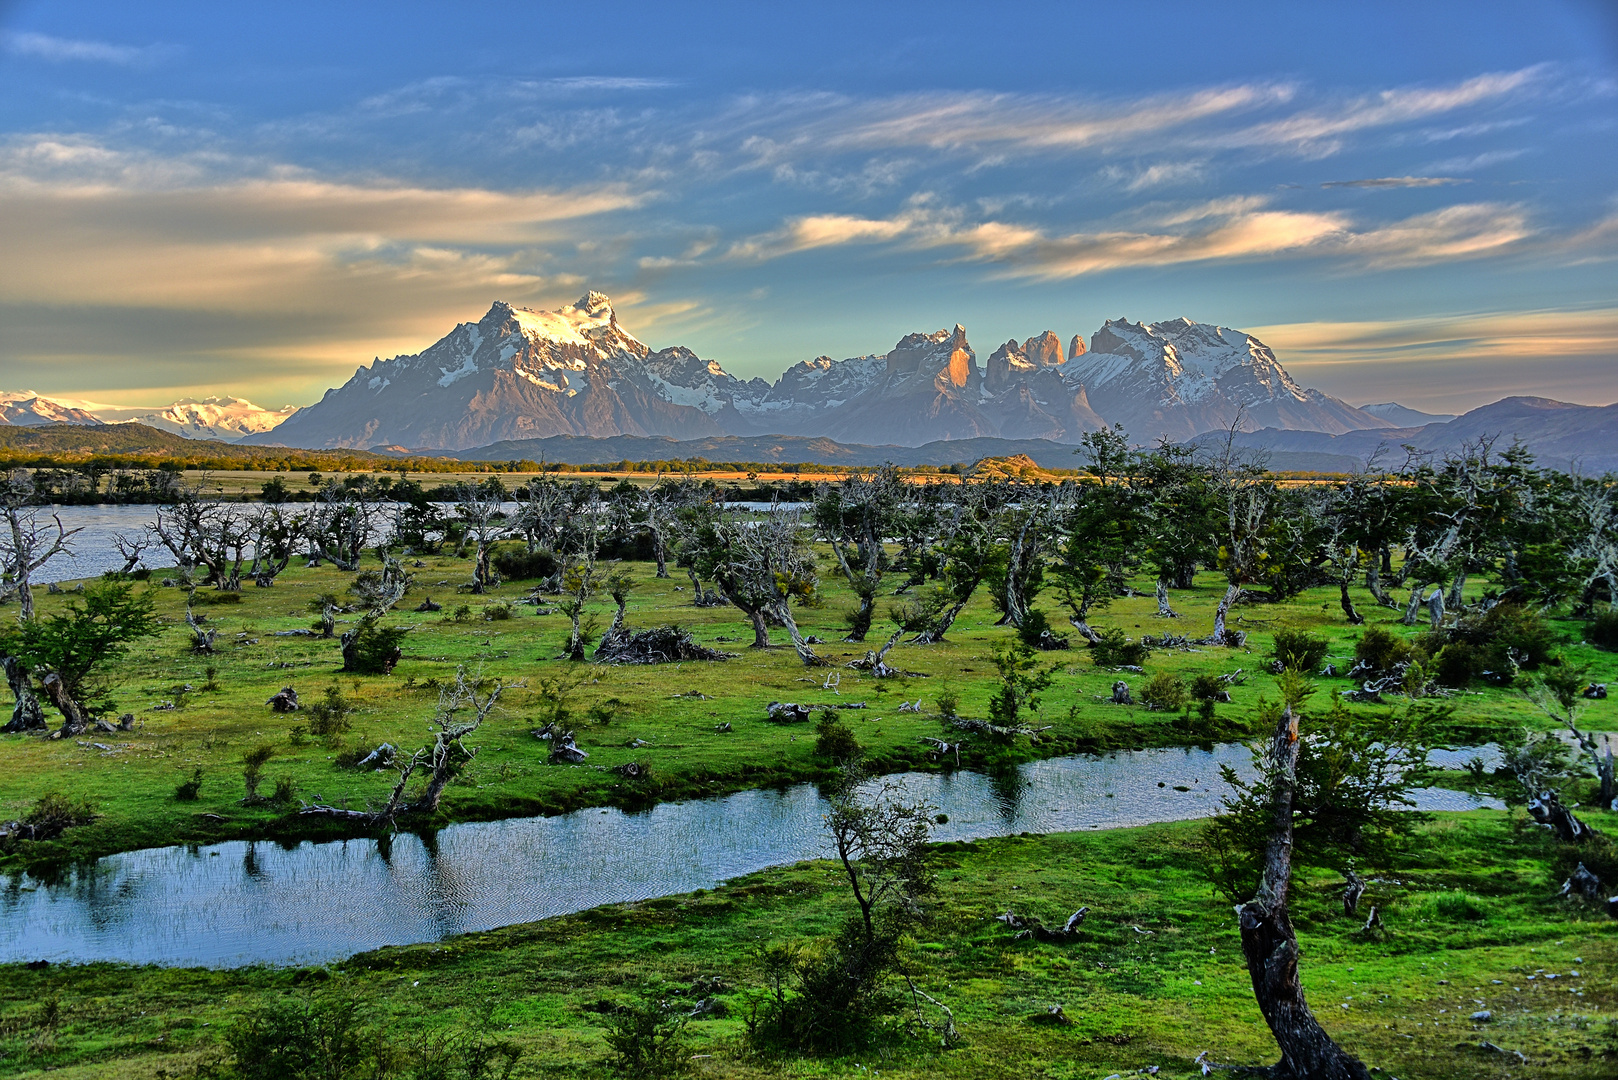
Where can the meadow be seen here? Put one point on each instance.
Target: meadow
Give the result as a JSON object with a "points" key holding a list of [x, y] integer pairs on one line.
{"points": [[1155, 978]]}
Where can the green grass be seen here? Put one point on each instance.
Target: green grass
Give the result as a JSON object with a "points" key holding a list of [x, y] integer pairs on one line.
{"points": [[131, 776], [1470, 909]]}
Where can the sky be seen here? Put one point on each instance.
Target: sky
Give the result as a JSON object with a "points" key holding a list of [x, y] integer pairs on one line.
{"points": [[1407, 201]]}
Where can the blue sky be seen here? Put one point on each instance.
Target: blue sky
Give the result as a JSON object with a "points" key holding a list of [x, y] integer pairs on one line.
{"points": [[1410, 201]]}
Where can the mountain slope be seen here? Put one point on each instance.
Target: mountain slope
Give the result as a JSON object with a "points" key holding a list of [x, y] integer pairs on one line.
{"points": [[223, 418], [513, 374], [27, 409], [1180, 378]]}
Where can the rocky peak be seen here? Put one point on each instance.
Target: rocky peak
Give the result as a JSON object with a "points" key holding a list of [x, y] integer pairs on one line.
{"points": [[1044, 350], [1005, 364], [1075, 348]]}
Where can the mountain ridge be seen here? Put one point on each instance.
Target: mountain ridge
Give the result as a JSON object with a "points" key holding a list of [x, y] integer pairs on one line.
{"points": [[518, 374]]}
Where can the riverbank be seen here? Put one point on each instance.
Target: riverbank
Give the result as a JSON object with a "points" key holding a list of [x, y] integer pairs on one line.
{"points": [[701, 726], [1155, 979]]}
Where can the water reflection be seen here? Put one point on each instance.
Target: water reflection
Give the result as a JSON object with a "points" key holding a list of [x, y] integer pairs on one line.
{"points": [[294, 903]]}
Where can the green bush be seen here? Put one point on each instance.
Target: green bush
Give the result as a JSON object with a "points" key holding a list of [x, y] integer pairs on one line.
{"points": [[498, 612], [835, 739], [1457, 664], [1112, 649], [253, 763], [220, 596], [1380, 649], [517, 564], [293, 1040], [371, 648], [188, 790], [1206, 686], [1602, 629], [1298, 650], [55, 812], [1502, 639], [1164, 692], [331, 716], [647, 1039], [286, 791], [1036, 632]]}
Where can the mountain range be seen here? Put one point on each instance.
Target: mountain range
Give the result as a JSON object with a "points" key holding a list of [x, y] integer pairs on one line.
{"points": [[225, 419], [519, 374]]}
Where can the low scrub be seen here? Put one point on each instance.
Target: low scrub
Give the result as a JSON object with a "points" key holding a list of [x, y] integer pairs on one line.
{"points": [[1602, 630], [1164, 692], [517, 564], [1113, 649], [1298, 650]]}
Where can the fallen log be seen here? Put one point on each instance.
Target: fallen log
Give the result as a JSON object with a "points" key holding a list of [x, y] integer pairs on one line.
{"points": [[284, 701], [657, 645]]}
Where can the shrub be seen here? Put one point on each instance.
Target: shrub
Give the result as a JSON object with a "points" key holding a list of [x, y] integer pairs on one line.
{"points": [[835, 739], [286, 1039], [516, 564], [1112, 649], [220, 596], [1164, 692], [330, 716], [1457, 664], [1379, 649], [286, 789], [55, 812], [1036, 632], [1298, 650], [1206, 686], [461, 614], [187, 790], [1502, 639], [371, 648], [949, 704], [647, 1039], [1602, 629], [498, 612], [253, 763]]}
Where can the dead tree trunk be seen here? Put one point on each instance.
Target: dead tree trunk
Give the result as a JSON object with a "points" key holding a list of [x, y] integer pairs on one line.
{"points": [[26, 715], [1163, 609], [1435, 608], [1547, 809], [1456, 587], [1413, 606], [1354, 617], [1270, 946], [75, 721], [1373, 585], [328, 621], [1222, 636], [805, 653], [935, 633], [761, 629]]}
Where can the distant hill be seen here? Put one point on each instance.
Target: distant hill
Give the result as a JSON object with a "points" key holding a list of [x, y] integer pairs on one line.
{"points": [[1561, 435], [137, 444], [768, 449]]}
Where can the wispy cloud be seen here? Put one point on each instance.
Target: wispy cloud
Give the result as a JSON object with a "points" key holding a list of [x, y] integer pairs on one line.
{"points": [[76, 50], [1234, 228], [1397, 182]]}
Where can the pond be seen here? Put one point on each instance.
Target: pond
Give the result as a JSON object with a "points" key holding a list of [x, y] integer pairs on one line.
{"points": [[237, 903]]}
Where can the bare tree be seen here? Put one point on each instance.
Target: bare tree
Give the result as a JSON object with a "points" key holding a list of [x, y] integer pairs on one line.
{"points": [[274, 534], [854, 516], [28, 542], [1271, 947], [379, 591], [343, 520], [761, 566], [478, 509], [1245, 493], [130, 547], [462, 709]]}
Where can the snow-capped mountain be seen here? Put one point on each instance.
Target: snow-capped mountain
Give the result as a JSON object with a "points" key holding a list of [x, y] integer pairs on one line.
{"points": [[25, 408], [227, 419], [1179, 378], [514, 374], [519, 374], [1401, 416]]}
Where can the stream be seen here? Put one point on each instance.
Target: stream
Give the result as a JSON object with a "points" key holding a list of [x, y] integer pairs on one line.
{"points": [[292, 903]]}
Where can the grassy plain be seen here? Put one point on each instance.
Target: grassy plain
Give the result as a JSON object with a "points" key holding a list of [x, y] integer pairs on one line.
{"points": [[1156, 979], [1471, 902], [131, 776]]}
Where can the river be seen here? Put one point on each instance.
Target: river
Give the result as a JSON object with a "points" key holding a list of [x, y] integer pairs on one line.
{"points": [[246, 902]]}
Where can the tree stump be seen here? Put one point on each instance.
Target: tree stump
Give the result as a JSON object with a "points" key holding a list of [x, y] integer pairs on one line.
{"points": [[1120, 693], [285, 700]]}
